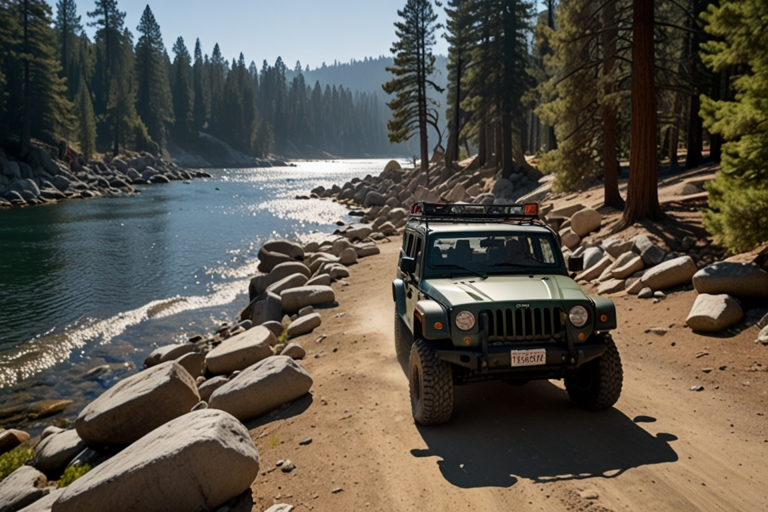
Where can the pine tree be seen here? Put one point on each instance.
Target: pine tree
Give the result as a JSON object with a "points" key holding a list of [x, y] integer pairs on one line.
{"points": [[217, 75], [458, 34], [67, 24], [108, 20], [153, 102], [738, 197], [39, 106], [412, 107], [182, 89], [642, 188], [86, 131], [201, 93]]}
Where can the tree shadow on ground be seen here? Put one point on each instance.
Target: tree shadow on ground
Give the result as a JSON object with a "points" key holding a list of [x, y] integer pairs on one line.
{"points": [[500, 433], [283, 412]]}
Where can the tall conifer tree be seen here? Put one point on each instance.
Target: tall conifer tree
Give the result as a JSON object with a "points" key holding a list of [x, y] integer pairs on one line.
{"points": [[153, 102], [412, 107]]}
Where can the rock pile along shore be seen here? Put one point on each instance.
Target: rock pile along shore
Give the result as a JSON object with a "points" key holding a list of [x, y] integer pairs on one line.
{"points": [[43, 180], [172, 436]]}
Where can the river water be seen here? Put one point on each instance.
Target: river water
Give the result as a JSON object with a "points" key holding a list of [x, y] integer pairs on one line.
{"points": [[85, 284]]}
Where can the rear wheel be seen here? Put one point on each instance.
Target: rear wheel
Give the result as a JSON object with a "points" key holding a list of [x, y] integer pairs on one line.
{"points": [[402, 339], [596, 385], [431, 385]]}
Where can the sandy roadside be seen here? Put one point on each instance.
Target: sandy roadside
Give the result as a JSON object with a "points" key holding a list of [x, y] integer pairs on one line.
{"points": [[663, 447]]}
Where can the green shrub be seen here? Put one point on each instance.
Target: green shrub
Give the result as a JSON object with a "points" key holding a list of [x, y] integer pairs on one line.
{"points": [[72, 473], [738, 215], [14, 459]]}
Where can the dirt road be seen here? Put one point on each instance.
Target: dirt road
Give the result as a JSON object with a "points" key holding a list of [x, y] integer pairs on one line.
{"points": [[663, 447]]}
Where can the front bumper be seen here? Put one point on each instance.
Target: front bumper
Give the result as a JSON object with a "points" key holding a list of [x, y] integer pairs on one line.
{"points": [[497, 359]]}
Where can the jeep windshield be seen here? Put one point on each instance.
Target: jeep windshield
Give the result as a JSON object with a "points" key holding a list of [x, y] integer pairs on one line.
{"points": [[493, 253]]}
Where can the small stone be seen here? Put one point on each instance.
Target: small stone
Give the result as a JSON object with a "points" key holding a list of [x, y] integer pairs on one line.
{"points": [[701, 354], [589, 494], [660, 331], [305, 442], [279, 463], [706, 370], [656, 301], [320, 339], [288, 466], [659, 294], [337, 490], [645, 293], [723, 368], [697, 388]]}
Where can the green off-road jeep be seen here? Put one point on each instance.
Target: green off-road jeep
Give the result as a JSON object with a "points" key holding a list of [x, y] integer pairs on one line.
{"points": [[482, 293]]}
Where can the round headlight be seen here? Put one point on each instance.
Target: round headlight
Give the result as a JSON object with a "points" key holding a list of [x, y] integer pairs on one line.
{"points": [[578, 316], [465, 320]]}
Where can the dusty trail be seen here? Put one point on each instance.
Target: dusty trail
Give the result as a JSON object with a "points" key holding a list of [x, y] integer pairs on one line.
{"points": [[663, 447]]}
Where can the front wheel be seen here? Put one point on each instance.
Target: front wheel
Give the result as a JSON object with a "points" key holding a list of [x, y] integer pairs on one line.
{"points": [[596, 385], [431, 385]]}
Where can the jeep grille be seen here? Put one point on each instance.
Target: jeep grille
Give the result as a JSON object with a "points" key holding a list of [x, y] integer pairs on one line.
{"points": [[529, 324]]}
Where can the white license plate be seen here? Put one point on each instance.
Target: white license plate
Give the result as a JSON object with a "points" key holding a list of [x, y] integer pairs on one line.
{"points": [[529, 357]]}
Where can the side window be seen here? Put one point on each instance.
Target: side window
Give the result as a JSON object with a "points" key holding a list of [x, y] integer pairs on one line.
{"points": [[417, 255], [546, 251], [409, 245]]}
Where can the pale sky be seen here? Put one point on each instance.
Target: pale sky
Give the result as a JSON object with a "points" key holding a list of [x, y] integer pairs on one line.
{"points": [[312, 31]]}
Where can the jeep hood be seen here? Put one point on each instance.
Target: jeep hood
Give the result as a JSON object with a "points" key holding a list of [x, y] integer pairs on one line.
{"points": [[454, 292]]}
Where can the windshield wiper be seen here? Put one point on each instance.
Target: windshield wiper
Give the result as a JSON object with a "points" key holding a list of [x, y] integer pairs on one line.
{"points": [[482, 275], [510, 264]]}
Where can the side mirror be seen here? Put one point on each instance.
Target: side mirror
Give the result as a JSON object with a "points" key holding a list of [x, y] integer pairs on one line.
{"points": [[575, 263], [408, 265]]}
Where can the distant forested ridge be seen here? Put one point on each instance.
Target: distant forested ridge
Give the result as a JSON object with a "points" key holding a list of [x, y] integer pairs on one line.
{"points": [[123, 90]]}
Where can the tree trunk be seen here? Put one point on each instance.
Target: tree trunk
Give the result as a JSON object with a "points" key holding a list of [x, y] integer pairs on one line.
{"points": [[507, 163], [695, 132], [482, 145], [674, 135], [642, 190], [26, 126], [497, 144], [715, 139], [611, 195], [452, 153]]}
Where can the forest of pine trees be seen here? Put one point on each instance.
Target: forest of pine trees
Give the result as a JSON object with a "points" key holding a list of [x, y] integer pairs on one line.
{"points": [[124, 91], [587, 85]]}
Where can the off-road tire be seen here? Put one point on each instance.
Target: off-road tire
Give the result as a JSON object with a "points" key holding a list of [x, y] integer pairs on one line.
{"points": [[402, 339], [431, 385], [596, 385]]}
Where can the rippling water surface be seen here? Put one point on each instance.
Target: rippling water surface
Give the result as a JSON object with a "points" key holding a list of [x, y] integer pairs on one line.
{"points": [[102, 282]]}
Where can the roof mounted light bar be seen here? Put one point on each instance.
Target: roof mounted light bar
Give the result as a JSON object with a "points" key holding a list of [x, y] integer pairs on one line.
{"points": [[456, 211]]}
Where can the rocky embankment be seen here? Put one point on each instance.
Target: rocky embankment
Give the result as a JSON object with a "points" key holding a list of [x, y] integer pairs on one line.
{"points": [[41, 179], [641, 267], [386, 196], [173, 436]]}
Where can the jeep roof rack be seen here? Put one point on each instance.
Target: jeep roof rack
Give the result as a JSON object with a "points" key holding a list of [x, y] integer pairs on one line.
{"points": [[465, 212]]}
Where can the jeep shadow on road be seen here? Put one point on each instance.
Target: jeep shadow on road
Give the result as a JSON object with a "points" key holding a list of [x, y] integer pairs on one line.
{"points": [[499, 433]]}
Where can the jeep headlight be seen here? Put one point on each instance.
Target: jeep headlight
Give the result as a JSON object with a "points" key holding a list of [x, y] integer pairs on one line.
{"points": [[465, 320], [578, 316]]}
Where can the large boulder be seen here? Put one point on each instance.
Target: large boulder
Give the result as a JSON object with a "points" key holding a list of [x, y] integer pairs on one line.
{"points": [[262, 388], [503, 188], [275, 252], [569, 238], [168, 353], [137, 405], [651, 253], [45, 503], [358, 232], [367, 249], [241, 351], [586, 221], [292, 281], [10, 439], [297, 298], [635, 265], [197, 462], [269, 309], [21, 488], [261, 282], [320, 279], [374, 198], [348, 256], [207, 388], [54, 452], [566, 211], [304, 325], [670, 273], [594, 271], [592, 256], [457, 194], [339, 245], [713, 313], [616, 247], [745, 280], [194, 363]]}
